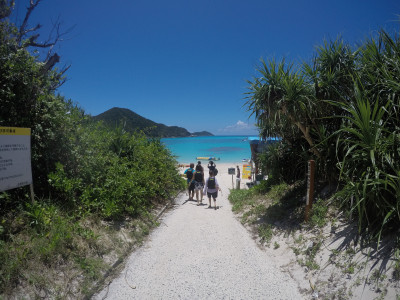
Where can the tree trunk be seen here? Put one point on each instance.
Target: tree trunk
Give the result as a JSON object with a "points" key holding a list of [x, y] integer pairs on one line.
{"points": [[304, 129], [306, 132]]}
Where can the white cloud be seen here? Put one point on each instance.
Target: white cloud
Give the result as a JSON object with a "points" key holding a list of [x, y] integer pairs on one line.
{"points": [[239, 128]]}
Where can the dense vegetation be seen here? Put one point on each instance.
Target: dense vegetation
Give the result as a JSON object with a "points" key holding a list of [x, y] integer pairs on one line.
{"points": [[342, 110], [82, 171]]}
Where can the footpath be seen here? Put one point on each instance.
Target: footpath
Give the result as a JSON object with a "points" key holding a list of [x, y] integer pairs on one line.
{"points": [[201, 253]]}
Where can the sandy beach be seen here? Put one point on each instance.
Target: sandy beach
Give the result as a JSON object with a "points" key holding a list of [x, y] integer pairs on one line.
{"points": [[201, 253], [223, 175]]}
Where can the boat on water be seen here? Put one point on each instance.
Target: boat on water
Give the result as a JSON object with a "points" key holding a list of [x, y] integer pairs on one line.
{"points": [[207, 158]]}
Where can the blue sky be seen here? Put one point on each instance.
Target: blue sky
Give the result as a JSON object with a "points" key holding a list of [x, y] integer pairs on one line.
{"points": [[184, 62]]}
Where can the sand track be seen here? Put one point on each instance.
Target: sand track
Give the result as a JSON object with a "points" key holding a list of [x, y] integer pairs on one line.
{"points": [[201, 253]]}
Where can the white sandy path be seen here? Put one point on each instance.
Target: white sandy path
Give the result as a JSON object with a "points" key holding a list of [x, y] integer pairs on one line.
{"points": [[201, 253]]}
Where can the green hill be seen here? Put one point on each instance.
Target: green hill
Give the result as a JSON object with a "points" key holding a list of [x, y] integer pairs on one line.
{"points": [[202, 133], [133, 122]]}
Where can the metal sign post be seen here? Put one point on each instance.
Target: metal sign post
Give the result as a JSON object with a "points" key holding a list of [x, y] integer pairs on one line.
{"points": [[310, 188]]}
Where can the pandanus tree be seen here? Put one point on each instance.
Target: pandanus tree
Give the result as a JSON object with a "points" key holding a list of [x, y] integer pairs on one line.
{"points": [[331, 75], [380, 71], [291, 103], [345, 105], [370, 136], [280, 101]]}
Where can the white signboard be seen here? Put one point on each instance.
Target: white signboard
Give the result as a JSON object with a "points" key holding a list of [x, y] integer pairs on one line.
{"points": [[15, 157]]}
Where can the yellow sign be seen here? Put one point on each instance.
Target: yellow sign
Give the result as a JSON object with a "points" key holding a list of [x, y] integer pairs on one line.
{"points": [[14, 131], [15, 157], [246, 171]]}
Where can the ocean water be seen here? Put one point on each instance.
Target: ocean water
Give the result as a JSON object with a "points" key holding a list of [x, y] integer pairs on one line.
{"points": [[230, 149]]}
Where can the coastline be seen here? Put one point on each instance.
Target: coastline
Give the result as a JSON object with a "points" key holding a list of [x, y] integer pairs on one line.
{"points": [[223, 176], [229, 149], [222, 167]]}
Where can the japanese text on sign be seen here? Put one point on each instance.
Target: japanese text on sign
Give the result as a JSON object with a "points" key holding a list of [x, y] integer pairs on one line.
{"points": [[15, 157], [246, 174]]}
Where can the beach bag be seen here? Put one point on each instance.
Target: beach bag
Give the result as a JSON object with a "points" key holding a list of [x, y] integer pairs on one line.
{"points": [[211, 183], [198, 176], [189, 173]]}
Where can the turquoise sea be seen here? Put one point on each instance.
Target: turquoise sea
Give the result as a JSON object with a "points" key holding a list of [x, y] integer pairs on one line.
{"points": [[230, 149]]}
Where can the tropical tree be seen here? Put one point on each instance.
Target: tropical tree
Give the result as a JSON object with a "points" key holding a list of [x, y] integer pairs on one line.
{"points": [[345, 104], [280, 100], [370, 136]]}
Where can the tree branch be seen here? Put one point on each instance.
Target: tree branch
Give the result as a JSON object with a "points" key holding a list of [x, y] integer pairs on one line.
{"points": [[61, 80], [22, 30], [304, 129], [55, 58]]}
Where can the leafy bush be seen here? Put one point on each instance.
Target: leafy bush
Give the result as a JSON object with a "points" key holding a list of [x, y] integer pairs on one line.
{"points": [[135, 172], [318, 213], [266, 185], [370, 166], [239, 198], [265, 232], [284, 162]]}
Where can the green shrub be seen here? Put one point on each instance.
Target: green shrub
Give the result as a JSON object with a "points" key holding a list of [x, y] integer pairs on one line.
{"points": [[370, 167], [134, 173], [284, 162], [239, 198], [265, 232], [277, 192], [265, 185], [318, 213]]}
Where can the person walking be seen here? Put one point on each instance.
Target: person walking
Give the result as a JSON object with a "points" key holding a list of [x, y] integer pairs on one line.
{"points": [[198, 179], [189, 175], [212, 167], [200, 166], [211, 187]]}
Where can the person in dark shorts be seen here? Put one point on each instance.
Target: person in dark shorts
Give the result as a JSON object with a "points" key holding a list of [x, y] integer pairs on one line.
{"points": [[198, 179], [189, 175], [211, 187]]}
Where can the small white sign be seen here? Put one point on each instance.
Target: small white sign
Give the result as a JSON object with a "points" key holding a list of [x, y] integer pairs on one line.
{"points": [[15, 157]]}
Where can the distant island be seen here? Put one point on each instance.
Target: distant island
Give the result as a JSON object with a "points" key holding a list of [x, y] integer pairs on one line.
{"points": [[133, 122], [202, 133]]}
